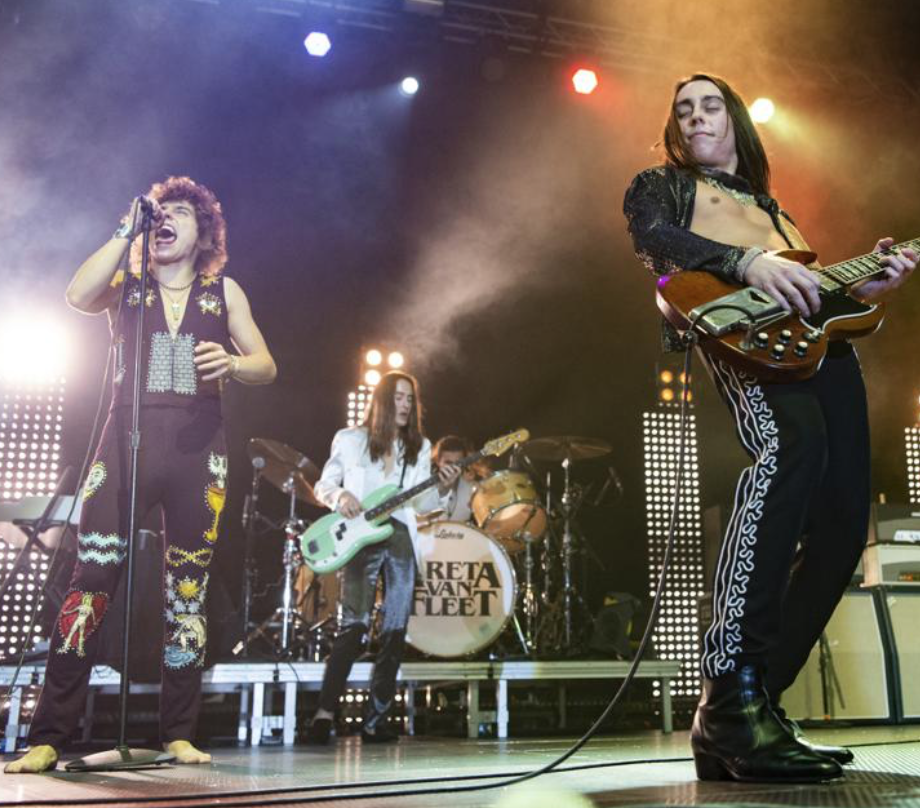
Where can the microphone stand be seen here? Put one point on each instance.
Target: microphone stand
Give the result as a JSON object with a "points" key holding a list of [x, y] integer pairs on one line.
{"points": [[249, 518], [122, 756]]}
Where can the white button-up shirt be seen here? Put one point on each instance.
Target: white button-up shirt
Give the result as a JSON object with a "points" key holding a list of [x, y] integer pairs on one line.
{"points": [[349, 468]]}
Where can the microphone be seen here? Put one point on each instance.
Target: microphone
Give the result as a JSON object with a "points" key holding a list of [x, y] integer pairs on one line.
{"points": [[258, 463], [145, 204]]}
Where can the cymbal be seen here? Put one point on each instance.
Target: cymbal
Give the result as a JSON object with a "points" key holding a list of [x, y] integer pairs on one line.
{"points": [[565, 447], [285, 466]]}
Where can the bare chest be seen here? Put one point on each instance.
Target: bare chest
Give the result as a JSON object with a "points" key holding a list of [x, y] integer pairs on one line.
{"points": [[720, 217]]}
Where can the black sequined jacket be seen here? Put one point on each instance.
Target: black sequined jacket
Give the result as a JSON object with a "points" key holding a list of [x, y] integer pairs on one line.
{"points": [[659, 209]]}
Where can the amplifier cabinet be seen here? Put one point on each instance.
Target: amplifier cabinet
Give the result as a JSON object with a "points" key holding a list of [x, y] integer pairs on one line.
{"points": [[849, 675]]}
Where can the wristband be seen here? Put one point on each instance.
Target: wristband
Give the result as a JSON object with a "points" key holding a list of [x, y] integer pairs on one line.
{"points": [[124, 231], [234, 366]]}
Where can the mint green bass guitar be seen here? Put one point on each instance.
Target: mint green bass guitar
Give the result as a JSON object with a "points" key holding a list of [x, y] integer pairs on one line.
{"points": [[331, 542]]}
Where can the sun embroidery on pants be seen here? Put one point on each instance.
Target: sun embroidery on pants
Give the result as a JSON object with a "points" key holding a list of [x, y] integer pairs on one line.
{"points": [[216, 492], [209, 304], [184, 595], [81, 615], [94, 479]]}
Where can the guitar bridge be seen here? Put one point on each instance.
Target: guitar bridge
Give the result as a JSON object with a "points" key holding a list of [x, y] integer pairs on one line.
{"points": [[743, 309]]}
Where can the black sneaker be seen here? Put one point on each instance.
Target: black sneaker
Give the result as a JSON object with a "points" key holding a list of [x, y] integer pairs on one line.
{"points": [[379, 735], [319, 731]]}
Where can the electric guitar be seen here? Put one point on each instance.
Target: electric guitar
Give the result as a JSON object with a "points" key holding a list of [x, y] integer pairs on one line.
{"points": [[750, 331], [331, 542]]}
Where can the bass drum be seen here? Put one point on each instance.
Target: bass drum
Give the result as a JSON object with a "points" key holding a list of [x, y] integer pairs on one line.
{"points": [[464, 594]]}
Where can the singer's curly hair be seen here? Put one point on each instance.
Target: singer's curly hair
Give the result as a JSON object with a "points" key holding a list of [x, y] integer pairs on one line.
{"points": [[210, 217]]}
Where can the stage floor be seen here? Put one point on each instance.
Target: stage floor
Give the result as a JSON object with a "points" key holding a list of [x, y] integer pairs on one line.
{"points": [[647, 768]]}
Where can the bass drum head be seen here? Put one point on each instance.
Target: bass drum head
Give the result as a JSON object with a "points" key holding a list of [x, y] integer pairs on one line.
{"points": [[464, 594]]}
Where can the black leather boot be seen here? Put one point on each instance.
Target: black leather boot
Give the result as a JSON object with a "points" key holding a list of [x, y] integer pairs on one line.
{"points": [[736, 736], [839, 753]]}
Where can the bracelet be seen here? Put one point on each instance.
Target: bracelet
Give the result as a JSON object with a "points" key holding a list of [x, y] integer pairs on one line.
{"points": [[234, 366], [124, 231], [746, 260]]}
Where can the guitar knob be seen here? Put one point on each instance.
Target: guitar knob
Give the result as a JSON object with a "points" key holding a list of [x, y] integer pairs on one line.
{"points": [[785, 335], [801, 348], [813, 337], [779, 351], [761, 339]]}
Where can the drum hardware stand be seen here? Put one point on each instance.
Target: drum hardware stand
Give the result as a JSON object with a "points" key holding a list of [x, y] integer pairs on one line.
{"points": [[561, 607], [529, 603], [250, 515], [293, 527], [567, 588], [830, 682]]}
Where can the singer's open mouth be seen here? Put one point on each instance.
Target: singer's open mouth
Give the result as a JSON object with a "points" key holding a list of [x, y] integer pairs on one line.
{"points": [[165, 234]]}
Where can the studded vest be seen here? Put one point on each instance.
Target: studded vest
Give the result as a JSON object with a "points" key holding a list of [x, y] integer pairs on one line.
{"points": [[169, 374]]}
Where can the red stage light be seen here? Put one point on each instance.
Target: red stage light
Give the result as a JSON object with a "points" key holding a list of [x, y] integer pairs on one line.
{"points": [[584, 81]]}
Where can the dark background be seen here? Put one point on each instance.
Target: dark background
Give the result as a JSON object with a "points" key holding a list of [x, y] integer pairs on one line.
{"points": [[476, 226]]}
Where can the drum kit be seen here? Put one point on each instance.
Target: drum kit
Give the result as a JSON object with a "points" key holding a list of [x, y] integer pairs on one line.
{"points": [[505, 583]]}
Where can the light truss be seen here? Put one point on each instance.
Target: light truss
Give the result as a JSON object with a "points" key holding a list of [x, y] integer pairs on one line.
{"points": [[515, 25]]}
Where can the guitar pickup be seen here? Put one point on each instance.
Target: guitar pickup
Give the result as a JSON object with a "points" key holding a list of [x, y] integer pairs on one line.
{"points": [[735, 311]]}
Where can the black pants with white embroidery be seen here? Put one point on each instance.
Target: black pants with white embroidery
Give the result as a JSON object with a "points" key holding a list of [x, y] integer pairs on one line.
{"points": [[183, 469], [800, 517]]}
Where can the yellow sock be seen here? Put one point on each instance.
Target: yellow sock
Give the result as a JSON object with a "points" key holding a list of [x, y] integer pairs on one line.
{"points": [[186, 753], [37, 759]]}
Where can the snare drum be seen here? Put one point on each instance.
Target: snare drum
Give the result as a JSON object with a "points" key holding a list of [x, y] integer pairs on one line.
{"points": [[505, 506], [464, 594]]}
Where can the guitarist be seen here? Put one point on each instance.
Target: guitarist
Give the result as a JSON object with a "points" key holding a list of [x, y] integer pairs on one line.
{"points": [[387, 448], [801, 509]]}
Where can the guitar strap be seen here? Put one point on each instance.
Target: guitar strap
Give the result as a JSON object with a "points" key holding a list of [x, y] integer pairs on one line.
{"points": [[402, 476]]}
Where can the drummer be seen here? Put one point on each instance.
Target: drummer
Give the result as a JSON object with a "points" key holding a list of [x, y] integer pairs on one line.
{"points": [[448, 451]]}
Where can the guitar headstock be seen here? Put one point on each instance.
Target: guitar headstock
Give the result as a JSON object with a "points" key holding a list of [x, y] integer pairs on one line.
{"points": [[498, 446]]}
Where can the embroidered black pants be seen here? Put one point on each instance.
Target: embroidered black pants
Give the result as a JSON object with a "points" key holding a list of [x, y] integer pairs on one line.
{"points": [[800, 517], [396, 560], [183, 468]]}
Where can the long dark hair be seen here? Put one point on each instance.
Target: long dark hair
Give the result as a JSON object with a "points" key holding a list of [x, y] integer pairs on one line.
{"points": [[380, 419], [752, 159]]}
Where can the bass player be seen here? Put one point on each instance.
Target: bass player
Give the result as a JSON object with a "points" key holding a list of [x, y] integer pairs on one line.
{"points": [[388, 448]]}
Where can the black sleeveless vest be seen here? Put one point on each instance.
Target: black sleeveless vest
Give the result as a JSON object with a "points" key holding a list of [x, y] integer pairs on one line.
{"points": [[169, 377]]}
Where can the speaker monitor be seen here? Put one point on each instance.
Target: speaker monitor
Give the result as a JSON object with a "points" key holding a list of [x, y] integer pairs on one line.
{"points": [[903, 608], [847, 677]]}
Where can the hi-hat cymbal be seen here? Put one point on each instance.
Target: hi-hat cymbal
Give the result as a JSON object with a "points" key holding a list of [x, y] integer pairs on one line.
{"points": [[286, 467], [566, 447]]}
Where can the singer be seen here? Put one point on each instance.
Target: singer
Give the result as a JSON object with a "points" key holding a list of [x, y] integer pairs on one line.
{"points": [[199, 334]]}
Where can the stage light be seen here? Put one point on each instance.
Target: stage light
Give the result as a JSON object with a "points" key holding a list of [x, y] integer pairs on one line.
{"points": [[762, 110], [584, 81], [317, 44], [373, 357], [372, 378], [396, 359], [32, 349], [409, 85], [666, 376], [675, 635]]}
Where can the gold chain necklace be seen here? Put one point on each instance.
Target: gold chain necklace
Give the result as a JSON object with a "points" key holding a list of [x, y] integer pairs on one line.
{"points": [[175, 307]]}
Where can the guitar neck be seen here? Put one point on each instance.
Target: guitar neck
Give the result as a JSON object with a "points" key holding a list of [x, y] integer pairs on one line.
{"points": [[403, 497], [838, 277]]}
